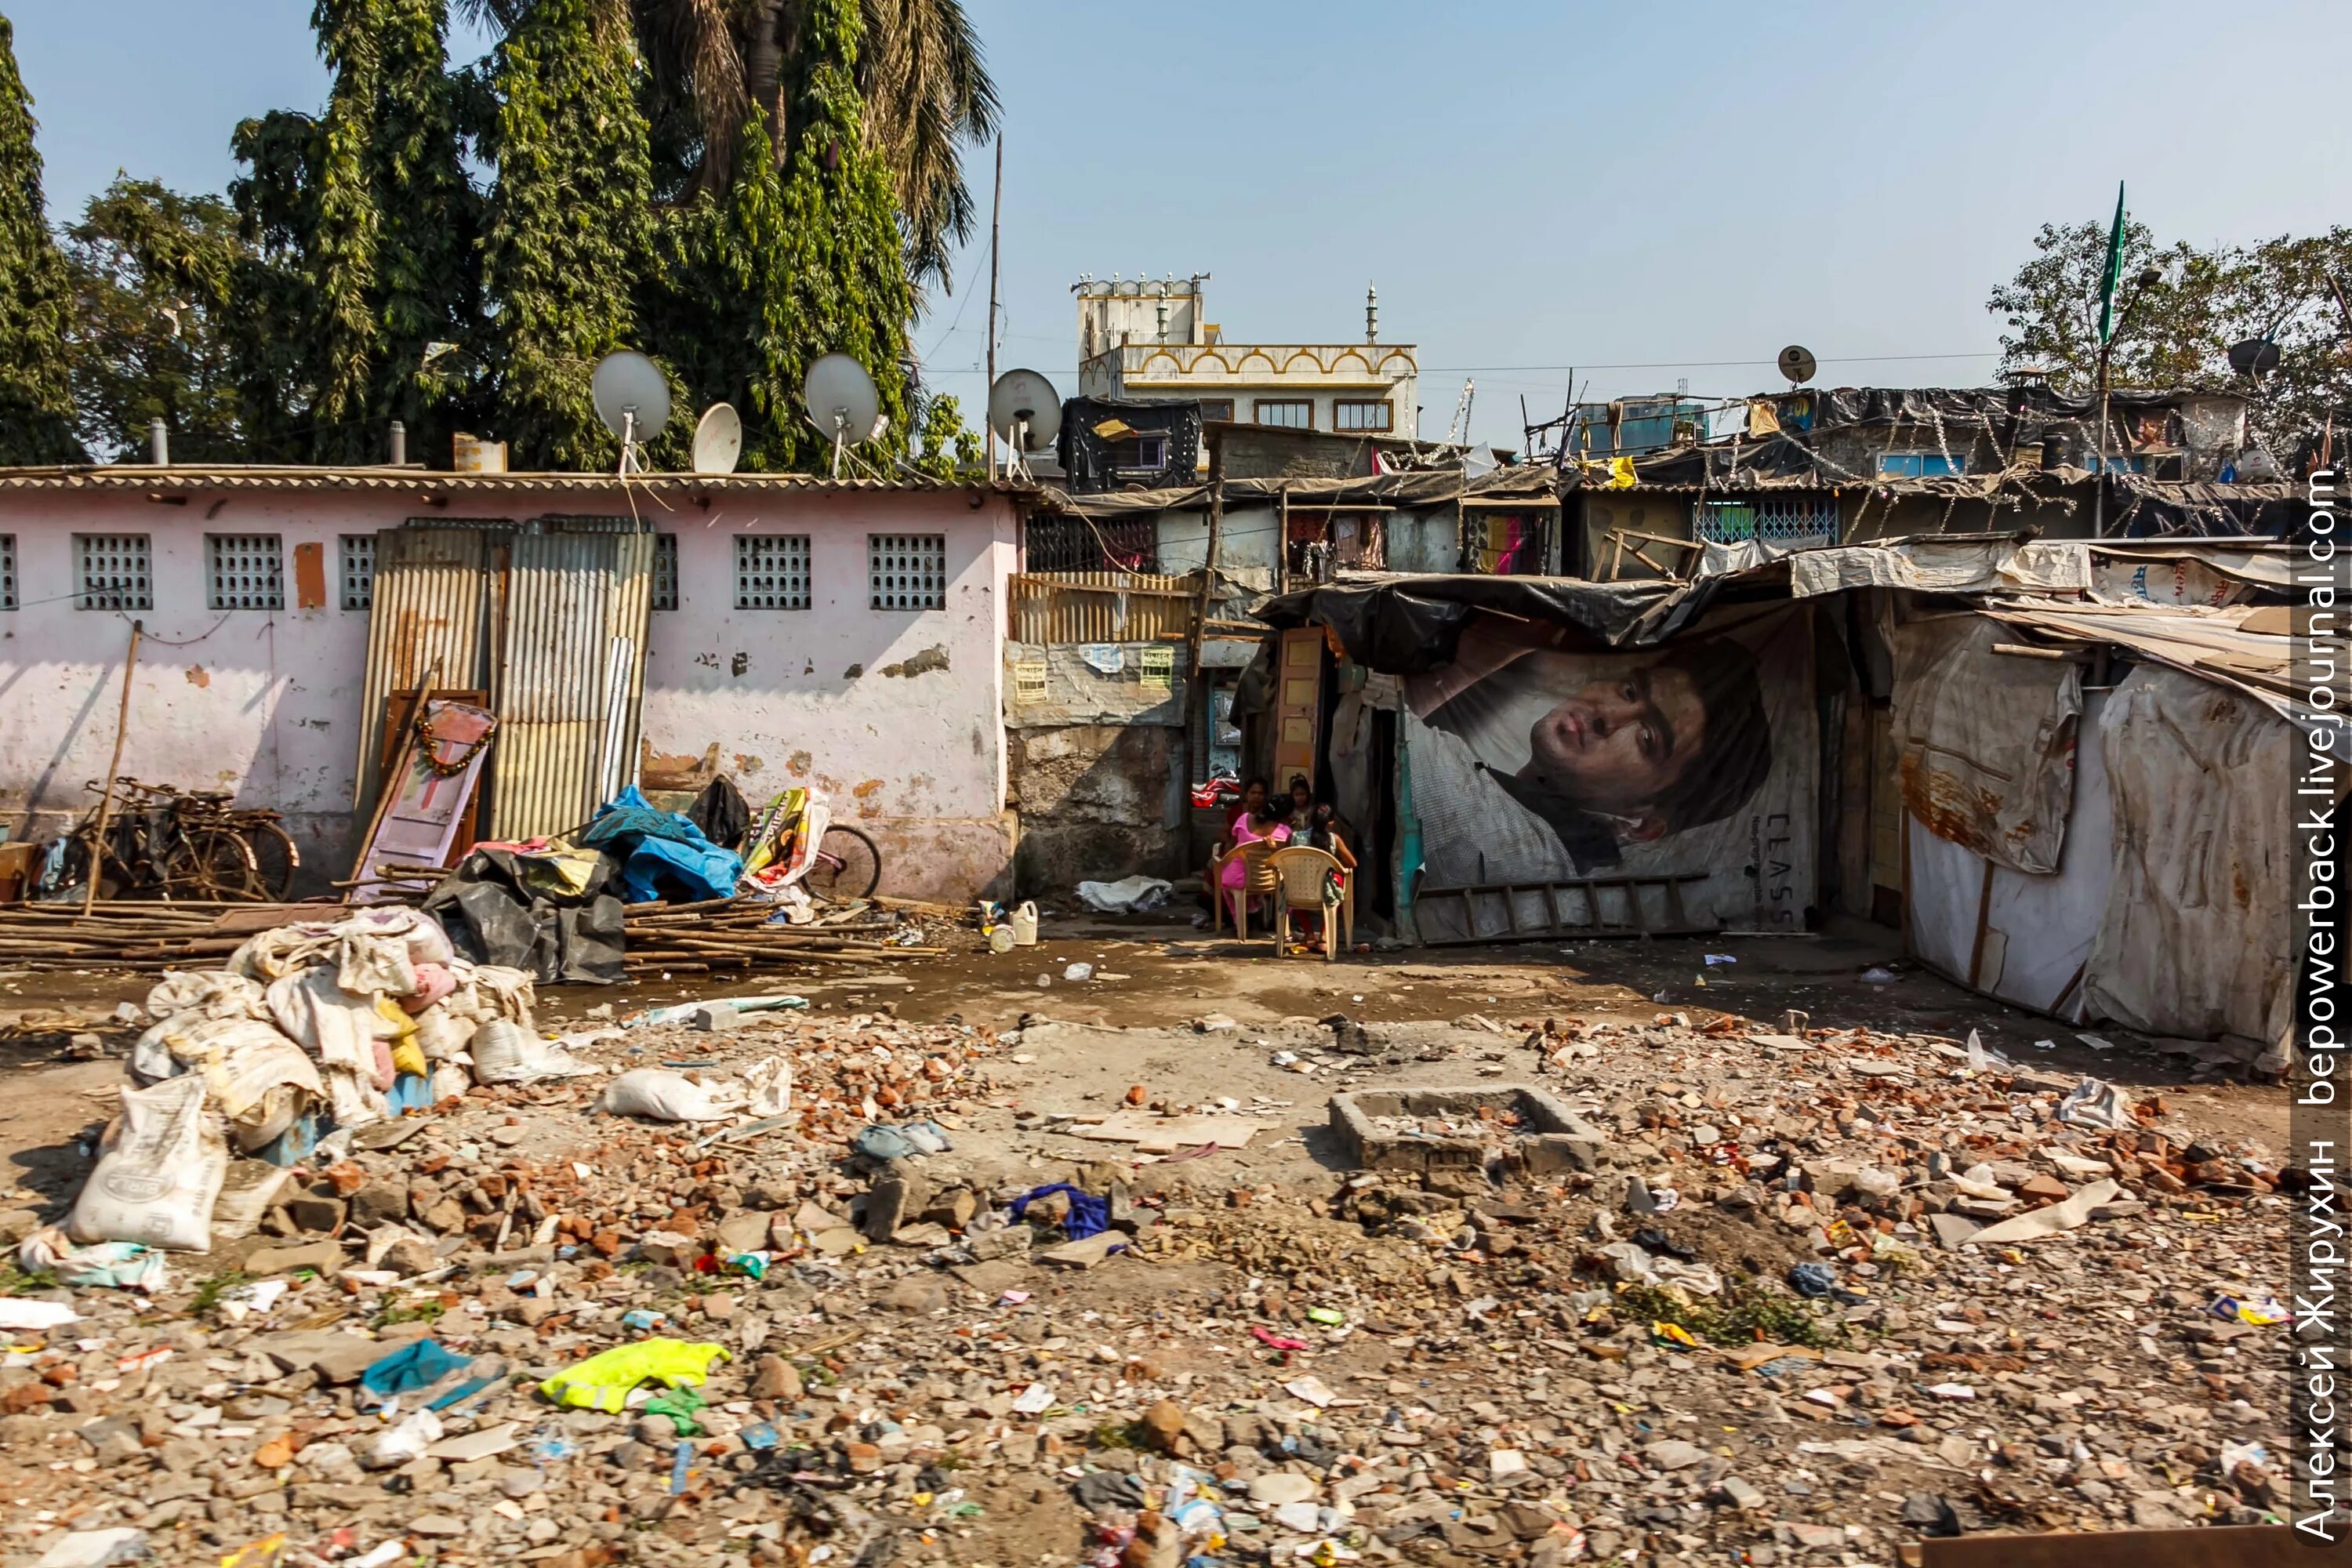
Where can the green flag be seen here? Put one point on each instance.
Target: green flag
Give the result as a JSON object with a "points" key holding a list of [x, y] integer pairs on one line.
{"points": [[2114, 276]]}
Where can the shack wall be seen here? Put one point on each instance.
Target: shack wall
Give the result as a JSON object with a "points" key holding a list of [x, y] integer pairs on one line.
{"points": [[895, 714]]}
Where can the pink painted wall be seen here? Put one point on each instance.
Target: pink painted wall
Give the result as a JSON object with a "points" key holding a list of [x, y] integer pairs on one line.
{"points": [[266, 704]]}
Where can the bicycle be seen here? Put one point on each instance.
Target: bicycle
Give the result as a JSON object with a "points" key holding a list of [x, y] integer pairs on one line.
{"points": [[846, 867], [190, 845]]}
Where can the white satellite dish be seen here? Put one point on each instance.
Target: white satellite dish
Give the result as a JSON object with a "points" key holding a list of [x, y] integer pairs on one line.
{"points": [[1024, 408], [717, 439], [632, 398], [842, 402]]}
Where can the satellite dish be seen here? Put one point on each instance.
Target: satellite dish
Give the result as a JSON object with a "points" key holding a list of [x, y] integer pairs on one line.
{"points": [[1024, 408], [1797, 364], [717, 439], [842, 402], [2255, 356], [632, 398]]}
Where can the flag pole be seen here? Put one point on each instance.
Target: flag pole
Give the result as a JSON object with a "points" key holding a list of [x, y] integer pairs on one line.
{"points": [[2109, 282]]}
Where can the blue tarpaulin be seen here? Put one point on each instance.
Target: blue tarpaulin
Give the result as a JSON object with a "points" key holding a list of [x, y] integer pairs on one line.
{"points": [[661, 852]]}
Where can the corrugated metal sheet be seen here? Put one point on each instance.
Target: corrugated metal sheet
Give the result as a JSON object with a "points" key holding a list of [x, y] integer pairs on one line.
{"points": [[433, 602], [1100, 607], [570, 682]]}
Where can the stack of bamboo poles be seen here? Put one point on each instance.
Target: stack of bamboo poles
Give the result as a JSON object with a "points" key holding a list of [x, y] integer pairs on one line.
{"points": [[733, 933], [142, 936], [690, 939]]}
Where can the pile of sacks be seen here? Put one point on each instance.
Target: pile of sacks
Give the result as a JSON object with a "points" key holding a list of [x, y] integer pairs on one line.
{"points": [[309, 1027]]}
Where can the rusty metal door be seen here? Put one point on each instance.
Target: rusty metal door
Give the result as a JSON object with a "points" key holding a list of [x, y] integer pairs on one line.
{"points": [[433, 605], [570, 684]]}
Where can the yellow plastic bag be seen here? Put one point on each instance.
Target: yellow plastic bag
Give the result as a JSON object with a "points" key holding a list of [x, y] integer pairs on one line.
{"points": [[602, 1381]]}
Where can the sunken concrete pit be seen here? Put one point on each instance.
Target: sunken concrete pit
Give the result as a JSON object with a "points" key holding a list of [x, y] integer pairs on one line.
{"points": [[1457, 1129]]}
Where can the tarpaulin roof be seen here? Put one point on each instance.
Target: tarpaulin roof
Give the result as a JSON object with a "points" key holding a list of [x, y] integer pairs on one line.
{"points": [[2234, 646], [1536, 486], [1403, 624]]}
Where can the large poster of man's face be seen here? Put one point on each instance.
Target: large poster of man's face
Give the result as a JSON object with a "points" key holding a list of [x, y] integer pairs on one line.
{"points": [[1530, 761]]}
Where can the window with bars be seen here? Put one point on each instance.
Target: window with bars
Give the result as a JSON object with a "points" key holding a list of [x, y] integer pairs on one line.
{"points": [[666, 572], [111, 571], [356, 558], [1080, 544], [243, 572], [1781, 520], [771, 572], [1352, 414], [8, 571], [907, 571], [1285, 413]]}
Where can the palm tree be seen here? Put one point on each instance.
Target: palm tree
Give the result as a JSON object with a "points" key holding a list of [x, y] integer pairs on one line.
{"points": [[926, 88]]}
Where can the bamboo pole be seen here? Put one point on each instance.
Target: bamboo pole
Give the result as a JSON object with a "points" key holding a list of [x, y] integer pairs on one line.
{"points": [[114, 764]]}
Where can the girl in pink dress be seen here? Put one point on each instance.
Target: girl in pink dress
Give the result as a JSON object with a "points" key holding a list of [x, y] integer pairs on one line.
{"points": [[1263, 822]]}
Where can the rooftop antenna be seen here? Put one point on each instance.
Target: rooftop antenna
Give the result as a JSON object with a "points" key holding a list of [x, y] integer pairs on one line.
{"points": [[717, 439], [1797, 363], [1024, 408], [842, 404], [631, 397]]}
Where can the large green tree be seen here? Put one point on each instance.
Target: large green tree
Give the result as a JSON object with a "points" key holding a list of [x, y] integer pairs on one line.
{"points": [[393, 254], [567, 247], [368, 208], [924, 94], [791, 261], [36, 410], [155, 333], [2175, 329]]}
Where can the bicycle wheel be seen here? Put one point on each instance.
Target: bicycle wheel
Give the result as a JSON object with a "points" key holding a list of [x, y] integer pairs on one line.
{"points": [[847, 866], [211, 864], [275, 858]]}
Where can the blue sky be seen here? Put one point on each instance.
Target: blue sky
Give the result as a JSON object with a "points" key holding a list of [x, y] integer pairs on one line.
{"points": [[1639, 192]]}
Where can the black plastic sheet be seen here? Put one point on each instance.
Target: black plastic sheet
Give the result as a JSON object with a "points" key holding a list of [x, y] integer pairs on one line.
{"points": [[494, 912]]}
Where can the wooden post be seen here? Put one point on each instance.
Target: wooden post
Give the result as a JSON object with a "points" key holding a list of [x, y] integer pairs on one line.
{"points": [[996, 223], [1282, 541], [1196, 633], [114, 764]]}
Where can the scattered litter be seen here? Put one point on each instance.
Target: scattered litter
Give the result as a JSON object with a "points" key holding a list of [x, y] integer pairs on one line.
{"points": [[1130, 895], [2095, 1103]]}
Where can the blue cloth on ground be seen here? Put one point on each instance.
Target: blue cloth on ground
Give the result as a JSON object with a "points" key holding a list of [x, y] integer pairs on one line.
{"points": [[417, 1364], [655, 848], [1089, 1216]]}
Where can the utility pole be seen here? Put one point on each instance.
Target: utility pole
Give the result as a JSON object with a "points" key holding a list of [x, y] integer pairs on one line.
{"points": [[996, 224]]}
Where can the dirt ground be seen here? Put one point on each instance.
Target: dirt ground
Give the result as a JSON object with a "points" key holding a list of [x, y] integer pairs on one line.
{"points": [[1180, 1019], [1155, 971]]}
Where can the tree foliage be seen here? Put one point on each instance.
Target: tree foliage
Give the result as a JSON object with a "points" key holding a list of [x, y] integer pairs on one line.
{"points": [[37, 407], [2176, 330], [153, 335], [923, 90], [366, 210], [568, 244], [944, 447], [735, 187]]}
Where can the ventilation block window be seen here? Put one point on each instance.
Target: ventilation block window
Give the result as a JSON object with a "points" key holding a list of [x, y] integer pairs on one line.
{"points": [[771, 572], [111, 571], [357, 561], [242, 571], [665, 570], [907, 571]]}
